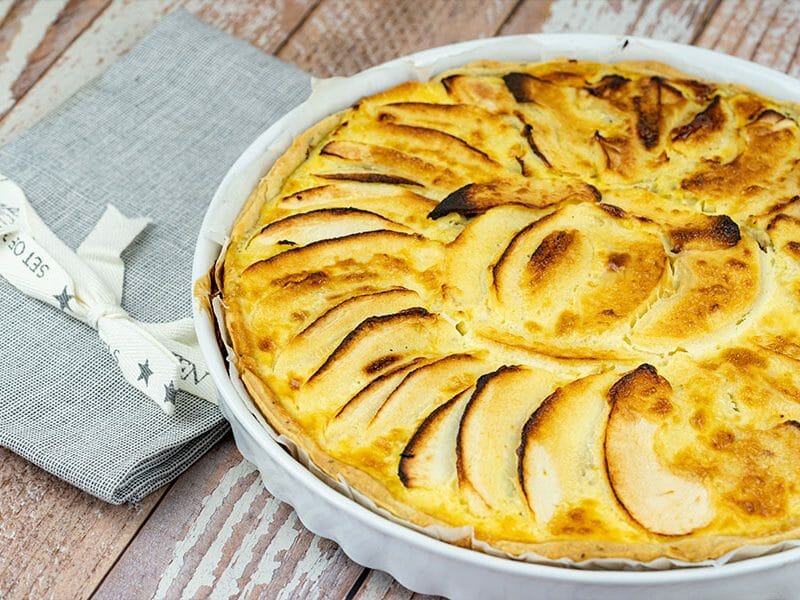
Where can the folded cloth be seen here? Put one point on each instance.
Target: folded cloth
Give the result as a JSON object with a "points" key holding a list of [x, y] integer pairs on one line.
{"points": [[153, 136]]}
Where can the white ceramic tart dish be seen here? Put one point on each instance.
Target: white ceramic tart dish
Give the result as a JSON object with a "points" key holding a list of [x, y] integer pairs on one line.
{"points": [[546, 311]]}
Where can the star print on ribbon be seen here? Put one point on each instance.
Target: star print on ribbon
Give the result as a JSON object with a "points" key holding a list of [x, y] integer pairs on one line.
{"points": [[156, 358]]}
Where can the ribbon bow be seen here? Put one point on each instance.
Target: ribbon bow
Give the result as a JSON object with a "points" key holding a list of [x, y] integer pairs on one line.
{"points": [[158, 359]]}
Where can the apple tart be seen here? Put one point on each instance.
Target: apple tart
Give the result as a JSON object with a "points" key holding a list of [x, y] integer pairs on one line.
{"points": [[557, 304]]}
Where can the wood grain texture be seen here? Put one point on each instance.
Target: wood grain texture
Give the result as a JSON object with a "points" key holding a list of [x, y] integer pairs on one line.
{"points": [[219, 534], [341, 37], [765, 31], [23, 26], [55, 540], [122, 24], [381, 586], [674, 20], [5, 8], [76, 16]]}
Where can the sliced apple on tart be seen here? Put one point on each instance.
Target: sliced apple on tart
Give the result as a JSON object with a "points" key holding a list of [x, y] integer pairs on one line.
{"points": [[571, 282], [486, 445], [654, 495], [562, 467], [429, 458], [372, 348]]}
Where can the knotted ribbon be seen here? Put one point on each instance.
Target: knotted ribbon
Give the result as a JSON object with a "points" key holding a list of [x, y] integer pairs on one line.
{"points": [[158, 359]]}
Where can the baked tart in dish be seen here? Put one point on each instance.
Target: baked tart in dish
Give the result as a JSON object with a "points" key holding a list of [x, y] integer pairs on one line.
{"points": [[556, 304]]}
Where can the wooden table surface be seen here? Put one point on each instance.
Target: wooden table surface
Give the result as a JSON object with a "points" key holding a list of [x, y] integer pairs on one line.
{"points": [[216, 532]]}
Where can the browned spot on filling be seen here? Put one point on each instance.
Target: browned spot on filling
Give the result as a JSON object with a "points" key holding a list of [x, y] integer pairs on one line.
{"points": [[368, 178], [661, 406], [617, 261], [381, 363], [566, 322], [266, 344], [313, 279], [735, 263], [793, 248], [519, 86], [708, 120], [698, 420], [648, 111], [722, 438], [614, 211], [608, 84], [760, 495], [528, 133], [702, 91], [722, 232], [552, 247], [613, 149], [295, 383], [743, 358], [578, 521]]}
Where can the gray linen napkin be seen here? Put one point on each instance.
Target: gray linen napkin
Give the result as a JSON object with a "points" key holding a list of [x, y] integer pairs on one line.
{"points": [[153, 136]]}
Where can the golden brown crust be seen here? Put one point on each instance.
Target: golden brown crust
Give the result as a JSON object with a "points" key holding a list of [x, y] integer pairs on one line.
{"points": [[522, 217]]}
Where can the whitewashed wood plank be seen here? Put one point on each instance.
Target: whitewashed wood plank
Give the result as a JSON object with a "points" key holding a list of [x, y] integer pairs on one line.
{"points": [[56, 541], [767, 31], [382, 586], [22, 30], [218, 533], [341, 37], [780, 40], [675, 20], [110, 36], [263, 24], [75, 17], [124, 22], [5, 7]]}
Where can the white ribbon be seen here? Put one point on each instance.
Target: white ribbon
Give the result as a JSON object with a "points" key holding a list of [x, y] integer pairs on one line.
{"points": [[156, 358]]}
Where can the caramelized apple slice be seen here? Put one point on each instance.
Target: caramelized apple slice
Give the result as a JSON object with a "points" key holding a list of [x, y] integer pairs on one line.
{"points": [[657, 498], [353, 417], [494, 134], [493, 419], [421, 391], [316, 225], [280, 270], [778, 329], [561, 456], [429, 458], [716, 284], [570, 283], [751, 178], [309, 348], [391, 202], [422, 388], [445, 151], [372, 348], [284, 294], [380, 164], [469, 258], [477, 198]]}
